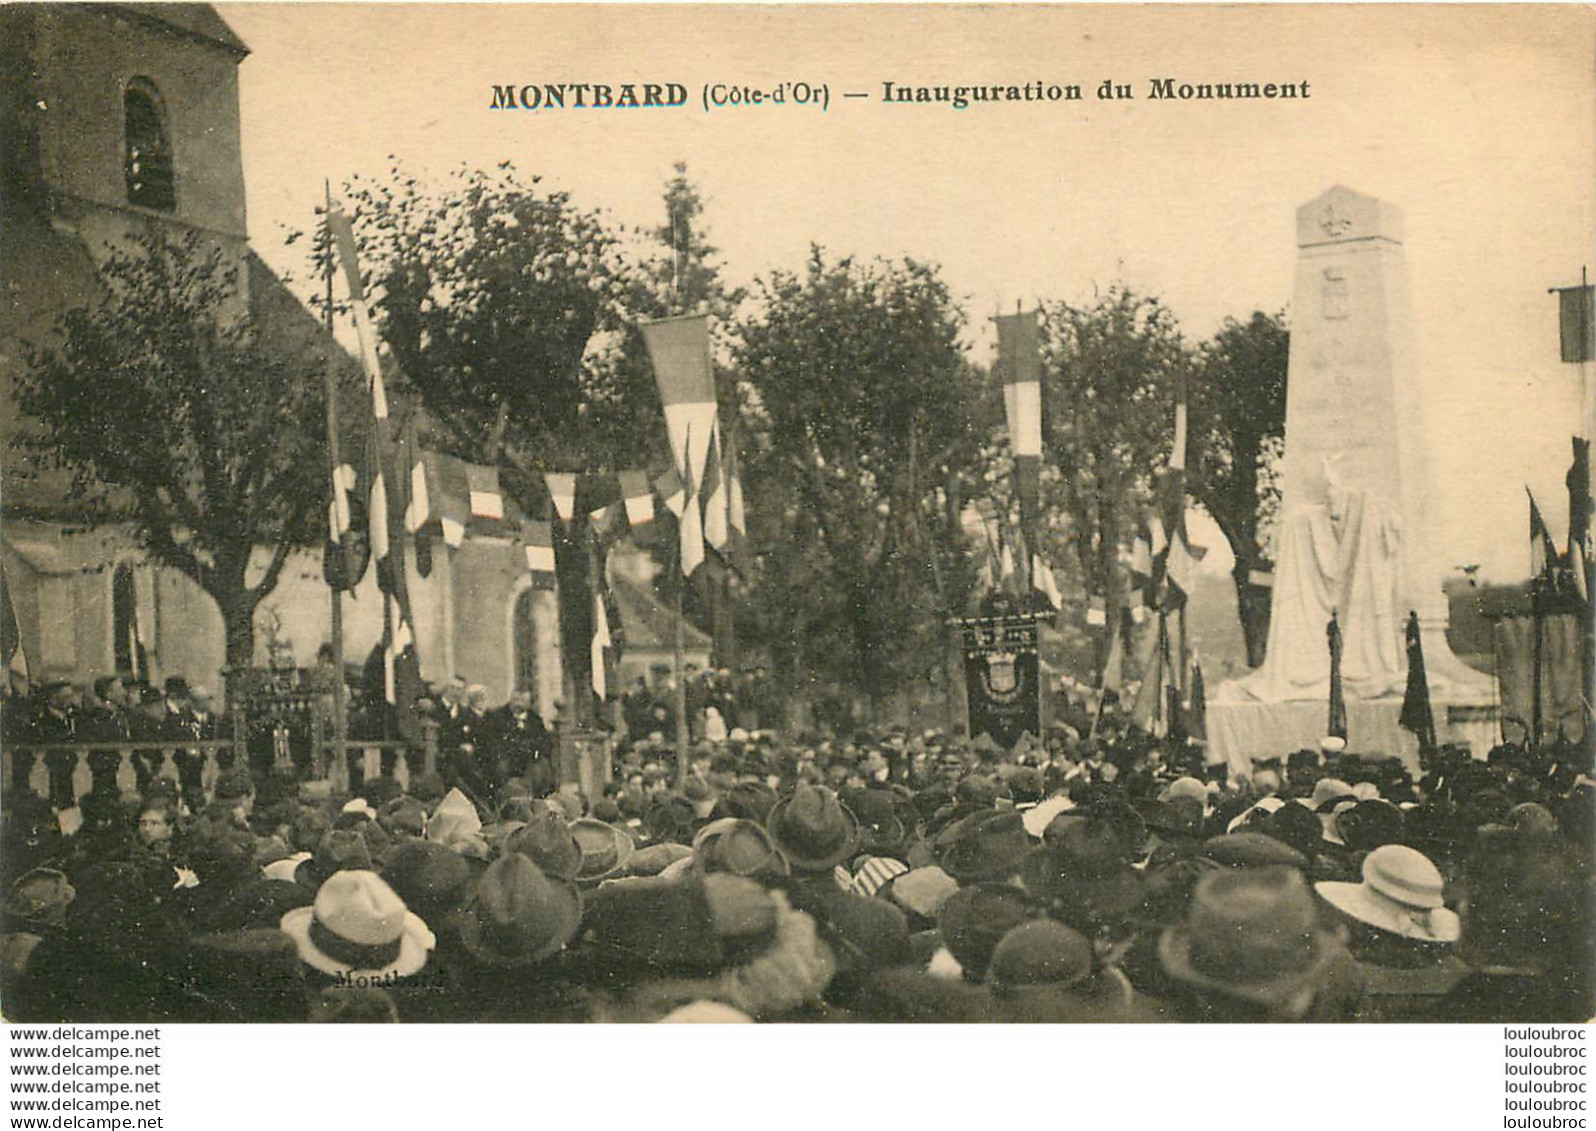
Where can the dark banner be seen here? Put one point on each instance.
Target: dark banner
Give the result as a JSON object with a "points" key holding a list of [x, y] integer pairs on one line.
{"points": [[1001, 676]]}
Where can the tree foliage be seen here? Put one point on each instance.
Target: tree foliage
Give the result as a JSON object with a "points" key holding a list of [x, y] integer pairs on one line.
{"points": [[170, 410], [493, 296], [686, 272], [862, 425], [1238, 416], [1109, 373]]}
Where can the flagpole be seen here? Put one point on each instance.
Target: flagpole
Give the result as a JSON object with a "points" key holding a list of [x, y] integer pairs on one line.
{"points": [[690, 499], [338, 768], [680, 704], [1587, 667], [1540, 644], [1102, 681], [1587, 395]]}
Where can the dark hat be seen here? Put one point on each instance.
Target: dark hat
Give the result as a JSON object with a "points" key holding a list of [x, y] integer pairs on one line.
{"points": [[881, 828], [1251, 934], [1024, 784], [519, 808], [40, 898], [973, 921], [670, 817], [1040, 952], [340, 850], [928, 801], [309, 826], [245, 975], [654, 859], [431, 879], [118, 897], [381, 790], [977, 792], [864, 932], [378, 842], [279, 785], [1295, 825], [1180, 816], [1533, 819], [176, 687], [1252, 850], [1082, 877], [517, 915], [233, 785], [986, 846], [1304, 759], [428, 789], [263, 902], [743, 848], [358, 1005], [548, 842], [813, 829], [750, 800], [1112, 812], [222, 857], [403, 816], [606, 850], [1370, 824]]}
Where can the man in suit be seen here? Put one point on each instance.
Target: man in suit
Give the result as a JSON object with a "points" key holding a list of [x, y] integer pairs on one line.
{"points": [[522, 745], [182, 720], [105, 720], [469, 756], [57, 722], [149, 727]]}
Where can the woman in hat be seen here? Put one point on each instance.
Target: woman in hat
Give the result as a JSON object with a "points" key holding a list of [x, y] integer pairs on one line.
{"points": [[1402, 934]]}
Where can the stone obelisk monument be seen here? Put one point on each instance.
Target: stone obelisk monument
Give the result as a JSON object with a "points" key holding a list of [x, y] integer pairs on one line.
{"points": [[1352, 537]]}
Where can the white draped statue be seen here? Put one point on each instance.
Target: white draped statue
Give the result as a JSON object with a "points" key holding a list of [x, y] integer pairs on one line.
{"points": [[1342, 555]]}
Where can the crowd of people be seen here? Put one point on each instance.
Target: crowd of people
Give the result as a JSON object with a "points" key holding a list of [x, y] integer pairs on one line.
{"points": [[717, 701], [888, 876]]}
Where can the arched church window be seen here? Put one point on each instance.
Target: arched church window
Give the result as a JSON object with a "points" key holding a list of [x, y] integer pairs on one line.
{"points": [[150, 182], [127, 647], [526, 644]]}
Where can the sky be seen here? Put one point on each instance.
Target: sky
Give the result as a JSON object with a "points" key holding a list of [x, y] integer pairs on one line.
{"points": [[1479, 123]]}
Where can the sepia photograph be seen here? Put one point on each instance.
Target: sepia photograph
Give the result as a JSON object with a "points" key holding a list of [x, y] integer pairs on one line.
{"points": [[803, 514]]}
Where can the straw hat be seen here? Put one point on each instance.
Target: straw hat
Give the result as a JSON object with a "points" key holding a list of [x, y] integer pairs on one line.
{"points": [[740, 847], [359, 928], [1401, 893], [606, 849]]}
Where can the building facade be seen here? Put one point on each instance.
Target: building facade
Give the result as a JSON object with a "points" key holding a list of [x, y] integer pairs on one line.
{"points": [[121, 116]]}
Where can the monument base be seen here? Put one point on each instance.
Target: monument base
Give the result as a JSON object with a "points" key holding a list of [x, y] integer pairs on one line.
{"points": [[1242, 732]]}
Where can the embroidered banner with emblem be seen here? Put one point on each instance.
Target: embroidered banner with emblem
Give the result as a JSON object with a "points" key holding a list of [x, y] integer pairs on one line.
{"points": [[1001, 675]]}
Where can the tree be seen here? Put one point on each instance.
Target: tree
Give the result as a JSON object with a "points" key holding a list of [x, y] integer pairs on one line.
{"points": [[687, 277], [1109, 371], [861, 422], [490, 294], [504, 307], [1238, 417], [172, 410]]}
